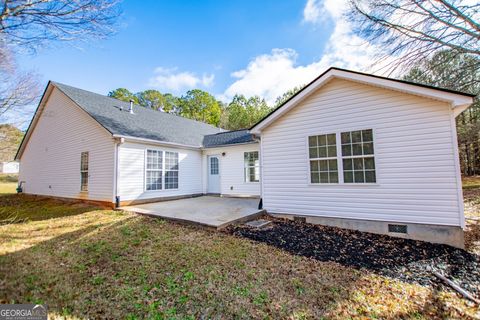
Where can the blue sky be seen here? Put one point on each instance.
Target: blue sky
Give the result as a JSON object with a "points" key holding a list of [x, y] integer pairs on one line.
{"points": [[224, 47]]}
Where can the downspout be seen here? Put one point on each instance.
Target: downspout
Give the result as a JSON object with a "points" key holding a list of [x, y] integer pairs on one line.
{"points": [[116, 197], [260, 203]]}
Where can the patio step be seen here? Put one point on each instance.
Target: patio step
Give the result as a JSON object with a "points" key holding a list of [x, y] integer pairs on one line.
{"points": [[258, 224]]}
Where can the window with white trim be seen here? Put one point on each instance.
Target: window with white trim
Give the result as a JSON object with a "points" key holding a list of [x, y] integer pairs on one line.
{"points": [[154, 170], [358, 156], [214, 166], [252, 166], [84, 171], [322, 151], [171, 170]]}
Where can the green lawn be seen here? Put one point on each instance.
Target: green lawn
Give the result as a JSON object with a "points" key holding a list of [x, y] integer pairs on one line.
{"points": [[86, 262], [8, 183]]}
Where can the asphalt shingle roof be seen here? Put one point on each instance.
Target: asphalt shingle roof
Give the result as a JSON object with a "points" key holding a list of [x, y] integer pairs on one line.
{"points": [[145, 123], [228, 138]]}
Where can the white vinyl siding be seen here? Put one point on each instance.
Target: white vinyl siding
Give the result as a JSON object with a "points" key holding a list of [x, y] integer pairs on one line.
{"points": [[232, 170], [131, 172], [413, 157], [51, 161]]}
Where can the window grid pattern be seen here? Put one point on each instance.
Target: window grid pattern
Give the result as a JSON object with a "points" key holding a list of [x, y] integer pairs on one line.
{"points": [[252, 166], [358, 156], [84, 171], [323, 158], [154, 170], [214, 166], [171, 170]]}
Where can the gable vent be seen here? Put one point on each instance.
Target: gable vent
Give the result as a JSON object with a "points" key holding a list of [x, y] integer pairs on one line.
{"points": [[397, 228]]}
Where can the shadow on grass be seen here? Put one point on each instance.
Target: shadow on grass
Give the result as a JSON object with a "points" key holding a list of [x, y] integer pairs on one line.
{"points": [[17, 208], [128, 266], [8, 177]]}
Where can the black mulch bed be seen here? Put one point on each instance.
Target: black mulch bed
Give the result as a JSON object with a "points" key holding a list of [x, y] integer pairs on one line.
{"points": [[404, 259]]}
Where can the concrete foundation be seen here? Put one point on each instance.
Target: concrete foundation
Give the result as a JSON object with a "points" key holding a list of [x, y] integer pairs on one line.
{"points": [[450, 235]]}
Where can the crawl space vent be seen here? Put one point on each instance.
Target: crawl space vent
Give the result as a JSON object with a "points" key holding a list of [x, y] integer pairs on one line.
{"points": [[397, 228]]}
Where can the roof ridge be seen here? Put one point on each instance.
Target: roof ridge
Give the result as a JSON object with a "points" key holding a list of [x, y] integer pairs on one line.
{"points": [[142, 107]]}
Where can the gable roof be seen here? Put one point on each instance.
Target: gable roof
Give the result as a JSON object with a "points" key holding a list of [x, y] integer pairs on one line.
{"points": [[228, 138], [459, 100], [145, 123], [113, 115]]}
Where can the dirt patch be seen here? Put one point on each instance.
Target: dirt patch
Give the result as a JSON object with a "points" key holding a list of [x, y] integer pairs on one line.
{"points": [[404, 259]]}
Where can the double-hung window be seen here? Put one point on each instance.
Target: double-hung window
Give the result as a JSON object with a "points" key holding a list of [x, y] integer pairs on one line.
{"points": [[84, 171], [171, 170], [161, 170], [358, 157], [154, 170], [323, 158], [252, 166], [356, 163]]}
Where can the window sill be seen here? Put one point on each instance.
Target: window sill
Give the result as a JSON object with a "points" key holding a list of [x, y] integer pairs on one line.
{"points": [[161, 190]]}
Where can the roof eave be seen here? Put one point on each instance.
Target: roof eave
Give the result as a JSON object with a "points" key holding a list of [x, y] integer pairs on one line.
{"points": [[41, 105], [456, 99], [156, 142], [229, 145]]}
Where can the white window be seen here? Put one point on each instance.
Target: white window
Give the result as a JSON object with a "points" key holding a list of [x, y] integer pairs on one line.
{"points": [[358, 156], [252, 166], [214, 166], [322, 151], [154, 170], [171, 170], [84, 171]]}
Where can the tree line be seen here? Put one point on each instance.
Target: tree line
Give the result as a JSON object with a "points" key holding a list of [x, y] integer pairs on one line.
{"points": [[242, 112]]}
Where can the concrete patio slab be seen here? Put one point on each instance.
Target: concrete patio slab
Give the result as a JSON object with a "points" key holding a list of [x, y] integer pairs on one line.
{"points": [[214, 212]]}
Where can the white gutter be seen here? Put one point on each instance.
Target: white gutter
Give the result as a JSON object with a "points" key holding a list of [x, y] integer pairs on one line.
{"points": [[151, 141], [229, 145], [115, 172]]}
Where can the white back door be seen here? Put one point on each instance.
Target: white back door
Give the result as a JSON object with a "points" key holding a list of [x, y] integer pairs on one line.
{"points": [[213, 174]]}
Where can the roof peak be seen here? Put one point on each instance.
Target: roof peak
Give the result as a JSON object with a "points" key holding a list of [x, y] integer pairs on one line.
{"points": [[126, 103]]}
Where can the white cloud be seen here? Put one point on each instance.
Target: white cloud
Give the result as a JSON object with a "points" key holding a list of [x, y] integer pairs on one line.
{"points": [[311, 12], [171, 80], [270, 75]]}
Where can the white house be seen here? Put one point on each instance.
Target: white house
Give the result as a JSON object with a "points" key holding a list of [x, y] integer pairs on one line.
{"points": [[9, 167], [350, 149]]}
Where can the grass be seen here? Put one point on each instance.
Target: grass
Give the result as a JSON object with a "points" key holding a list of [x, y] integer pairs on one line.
{"points": [[471, 182], [8, 183], [85, 262], [471, 196]]}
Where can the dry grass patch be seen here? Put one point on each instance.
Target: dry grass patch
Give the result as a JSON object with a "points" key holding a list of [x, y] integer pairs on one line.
{"points": [[8, 187], [101, 263]]}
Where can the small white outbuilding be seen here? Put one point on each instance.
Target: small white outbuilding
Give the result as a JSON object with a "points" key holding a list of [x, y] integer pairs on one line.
{"points": [[9, 167]]}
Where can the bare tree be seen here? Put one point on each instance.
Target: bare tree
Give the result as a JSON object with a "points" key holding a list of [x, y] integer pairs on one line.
{"points": [[26, 25], [411, 30], [32, 23], [17, 88]]}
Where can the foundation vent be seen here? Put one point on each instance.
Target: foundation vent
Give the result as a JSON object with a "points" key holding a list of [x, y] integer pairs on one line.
{"points": [[299, 219], [397, 228]]}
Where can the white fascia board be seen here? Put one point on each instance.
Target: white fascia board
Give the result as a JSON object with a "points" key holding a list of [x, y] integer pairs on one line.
{"points": [[156, 142], [456, 100]]}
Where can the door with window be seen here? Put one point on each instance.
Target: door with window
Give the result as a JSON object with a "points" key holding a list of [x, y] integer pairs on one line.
{"points": [[213, 174]]}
